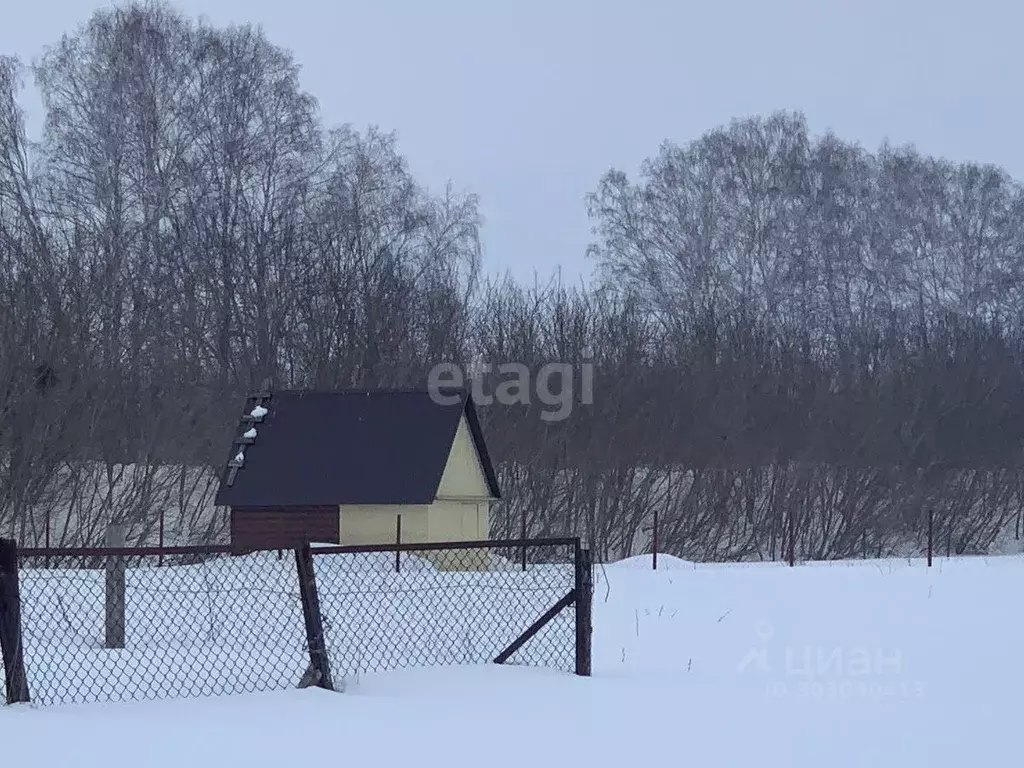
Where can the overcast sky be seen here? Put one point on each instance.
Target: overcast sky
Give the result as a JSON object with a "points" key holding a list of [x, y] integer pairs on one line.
{"points": [[527, 103]]}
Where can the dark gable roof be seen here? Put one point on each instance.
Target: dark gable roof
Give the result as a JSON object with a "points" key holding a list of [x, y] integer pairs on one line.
{"points": [[378, 446]]}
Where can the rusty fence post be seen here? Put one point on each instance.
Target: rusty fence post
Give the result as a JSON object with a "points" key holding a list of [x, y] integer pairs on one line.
{"points": [[584, 611], [319, 663], [115, 587], [11, 639]]}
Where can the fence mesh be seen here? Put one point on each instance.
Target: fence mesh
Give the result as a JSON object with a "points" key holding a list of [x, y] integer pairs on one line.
{"points": [[420, 608], [205, 622], [222, 625]]}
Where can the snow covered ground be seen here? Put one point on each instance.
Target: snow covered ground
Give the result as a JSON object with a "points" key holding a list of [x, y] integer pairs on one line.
{"points": [[866, 664], [235, 624]]}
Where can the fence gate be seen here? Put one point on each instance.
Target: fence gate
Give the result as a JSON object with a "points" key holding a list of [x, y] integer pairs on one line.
{"points": [[524, 602]]}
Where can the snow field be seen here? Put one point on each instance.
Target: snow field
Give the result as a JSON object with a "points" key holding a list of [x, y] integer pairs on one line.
{"points": [[846, 665]]}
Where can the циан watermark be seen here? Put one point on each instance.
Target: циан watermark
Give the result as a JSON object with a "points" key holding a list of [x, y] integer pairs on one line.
{"points": [[517, 385], [836, 672]]}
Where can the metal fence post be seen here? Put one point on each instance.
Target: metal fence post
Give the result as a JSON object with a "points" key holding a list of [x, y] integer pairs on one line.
{"points": [[931, 535], [398, 543], [319, 664], [114, 581], [522, 535], [654, 545], [791, 554], [11, 644], [584, 611]]}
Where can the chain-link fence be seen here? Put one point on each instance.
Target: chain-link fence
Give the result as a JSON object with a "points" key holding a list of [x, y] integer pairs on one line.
{"points": [[438, 607], [126, 624]]}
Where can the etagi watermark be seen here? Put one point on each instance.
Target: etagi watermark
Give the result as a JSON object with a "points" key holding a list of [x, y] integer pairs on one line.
{"points": [[828, 673], [516, 383]]}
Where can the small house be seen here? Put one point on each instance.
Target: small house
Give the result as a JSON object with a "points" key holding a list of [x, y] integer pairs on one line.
{"points": [[345, 466]]}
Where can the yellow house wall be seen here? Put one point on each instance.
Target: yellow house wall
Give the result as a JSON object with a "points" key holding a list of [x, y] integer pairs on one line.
{"points": [[444, 520], [483, 520], [461, 512], [373, 524], [463, 476], [451, 520]]}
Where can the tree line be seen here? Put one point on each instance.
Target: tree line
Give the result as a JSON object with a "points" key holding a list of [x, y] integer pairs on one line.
{"points": [[789, 333]]}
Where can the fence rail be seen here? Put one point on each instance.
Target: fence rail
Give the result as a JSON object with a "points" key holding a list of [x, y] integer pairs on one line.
{"points": [[114, 624]]}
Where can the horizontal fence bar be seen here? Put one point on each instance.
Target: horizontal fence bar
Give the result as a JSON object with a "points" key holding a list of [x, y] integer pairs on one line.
{"points": [[327, 549], [434, 546], [210, 549]]}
